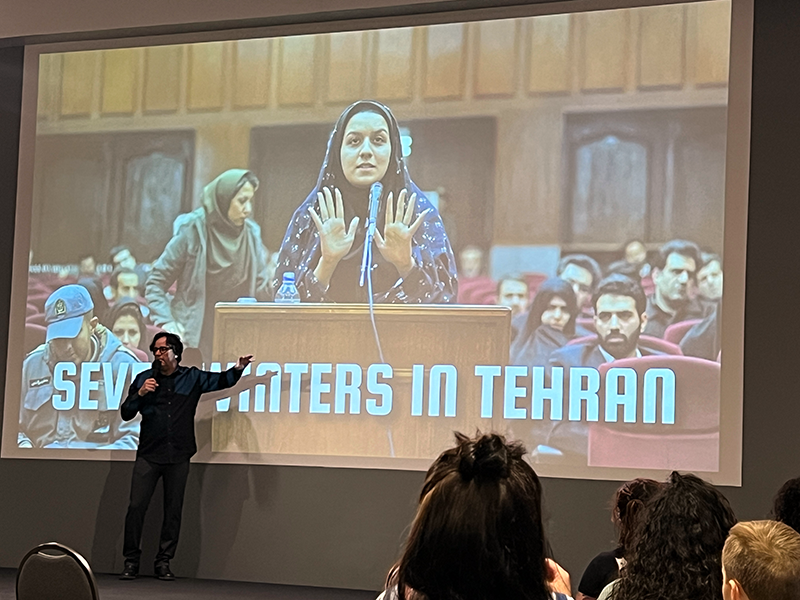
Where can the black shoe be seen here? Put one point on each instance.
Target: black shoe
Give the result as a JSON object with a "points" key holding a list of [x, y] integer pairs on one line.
{"points": [[163, 573], [130, 571]]}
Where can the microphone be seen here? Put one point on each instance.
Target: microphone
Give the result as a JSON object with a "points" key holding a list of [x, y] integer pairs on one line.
{"points": [[155, 370], [375, 191]]}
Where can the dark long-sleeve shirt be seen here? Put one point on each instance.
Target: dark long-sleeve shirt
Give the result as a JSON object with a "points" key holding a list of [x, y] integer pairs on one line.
{"points": [[167, 433]]}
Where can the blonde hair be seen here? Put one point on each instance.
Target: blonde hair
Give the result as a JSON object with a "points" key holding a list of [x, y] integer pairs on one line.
{"points": [[764, 557]]}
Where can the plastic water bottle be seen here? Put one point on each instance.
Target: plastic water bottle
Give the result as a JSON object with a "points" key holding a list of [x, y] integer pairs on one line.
{"points": [[287, 293]]}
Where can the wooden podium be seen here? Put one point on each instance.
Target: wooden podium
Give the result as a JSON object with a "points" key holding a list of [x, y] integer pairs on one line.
{"points": [[462, 336]]}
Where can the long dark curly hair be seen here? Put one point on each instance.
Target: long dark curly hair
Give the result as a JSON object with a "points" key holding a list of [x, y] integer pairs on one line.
{"points": [[478, 532], [629, 505], [786, 507], [678, 544]]}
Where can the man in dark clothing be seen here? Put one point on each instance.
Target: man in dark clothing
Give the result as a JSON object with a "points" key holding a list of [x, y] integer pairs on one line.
{"points": [[166, 396], [674, 270], [619, 305]]}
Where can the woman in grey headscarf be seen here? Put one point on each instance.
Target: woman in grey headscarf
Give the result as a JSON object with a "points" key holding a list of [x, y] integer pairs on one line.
{"points": [[216, 255]]}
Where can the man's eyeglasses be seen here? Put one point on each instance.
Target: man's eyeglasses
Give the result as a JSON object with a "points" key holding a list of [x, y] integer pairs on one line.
{"points": [[161, 349]]}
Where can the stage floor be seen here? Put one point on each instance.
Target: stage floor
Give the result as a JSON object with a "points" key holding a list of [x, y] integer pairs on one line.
{"points": [[112, 588]]}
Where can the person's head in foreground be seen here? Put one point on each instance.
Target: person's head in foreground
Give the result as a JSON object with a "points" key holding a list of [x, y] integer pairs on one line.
{"points": [[761, 561], [629, 506], [478, 531], [786, 507], [678, 544]]}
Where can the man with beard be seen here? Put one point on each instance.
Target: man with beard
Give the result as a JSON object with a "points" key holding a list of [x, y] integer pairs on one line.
{"points": [[620, 316], [674, 271]]}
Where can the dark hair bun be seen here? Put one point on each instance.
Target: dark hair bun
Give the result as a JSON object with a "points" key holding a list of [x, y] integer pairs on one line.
{"points": [[486, 458]]}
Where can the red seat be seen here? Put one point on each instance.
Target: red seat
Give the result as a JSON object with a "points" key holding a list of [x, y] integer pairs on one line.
{"points": [[140, 354], [534, 280], [476, 288], [677, 331], [690, 444], [654, 343]]}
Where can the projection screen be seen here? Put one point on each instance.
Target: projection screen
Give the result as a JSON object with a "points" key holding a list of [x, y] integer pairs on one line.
{"points": [[551, 201]]}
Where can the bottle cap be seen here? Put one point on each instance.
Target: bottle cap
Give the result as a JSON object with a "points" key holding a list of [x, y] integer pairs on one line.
{"points": [[288, 277]]}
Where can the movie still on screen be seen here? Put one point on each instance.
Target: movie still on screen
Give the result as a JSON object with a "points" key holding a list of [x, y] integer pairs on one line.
{"points": [[514, 225]]}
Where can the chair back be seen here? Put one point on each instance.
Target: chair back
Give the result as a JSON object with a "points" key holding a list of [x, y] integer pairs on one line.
{"points": [[690, 444], [675, 332], [655, 343], [53, 570]]}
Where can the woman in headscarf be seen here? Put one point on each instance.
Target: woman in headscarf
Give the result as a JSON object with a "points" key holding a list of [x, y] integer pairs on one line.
{"points": [[216, 255], [412, 261], [549, 326], [125, 321]]}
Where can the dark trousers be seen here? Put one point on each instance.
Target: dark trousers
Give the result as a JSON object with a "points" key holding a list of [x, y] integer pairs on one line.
{"points": [[143, 484]]}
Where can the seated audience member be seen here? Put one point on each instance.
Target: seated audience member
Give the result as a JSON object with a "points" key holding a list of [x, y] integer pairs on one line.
{"points": [[478, 532], [678, 543], [472, 281], [761, 561], [634, 262], [87, 266], [513, 292], [703, 340], [124, 283], [127, 323], [122, 257], [470, 263], [619, 307], [786, 507], [709, 278], [549, 324], [629, 505], [582, 273], [674, 270]]}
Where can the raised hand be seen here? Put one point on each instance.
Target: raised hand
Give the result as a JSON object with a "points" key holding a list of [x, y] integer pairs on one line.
{"points": [[335, 239], [243, 361], [398, 231]]}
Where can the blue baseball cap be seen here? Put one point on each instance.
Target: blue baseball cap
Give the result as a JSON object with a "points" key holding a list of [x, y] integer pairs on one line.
{"points": [[64, 310]]}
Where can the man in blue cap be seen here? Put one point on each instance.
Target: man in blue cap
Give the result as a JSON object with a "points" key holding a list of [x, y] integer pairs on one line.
{"points": [[65, 400]]}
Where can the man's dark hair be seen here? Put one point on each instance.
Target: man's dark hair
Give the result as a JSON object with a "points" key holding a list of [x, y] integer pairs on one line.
{"points": [[677, 551], [581, 260], [621, 285], [114, 251], [173, 341], [786, 507], [707, 258], [114, 281], [682, 247], [478, 532]]}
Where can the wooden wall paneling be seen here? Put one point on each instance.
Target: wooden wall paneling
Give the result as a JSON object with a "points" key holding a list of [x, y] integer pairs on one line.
{"points": [[346, 66], [206, 79], [49, 86], [297, 70], [252, 73], [712, 42], [549, 54], [496, 57], [162, 81], [445, 54], [120, 75], [77, 84], [605, 50], [662, 37], [394, 55]]}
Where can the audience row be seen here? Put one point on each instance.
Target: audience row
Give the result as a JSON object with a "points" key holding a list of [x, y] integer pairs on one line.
{"points": [[478, 535]]}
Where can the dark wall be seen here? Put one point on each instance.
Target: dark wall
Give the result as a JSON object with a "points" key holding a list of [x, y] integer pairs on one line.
{"points": [[338, 527]]}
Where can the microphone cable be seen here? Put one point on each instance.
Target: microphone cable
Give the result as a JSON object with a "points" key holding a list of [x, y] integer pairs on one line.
{"points": [[371, 304]]}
